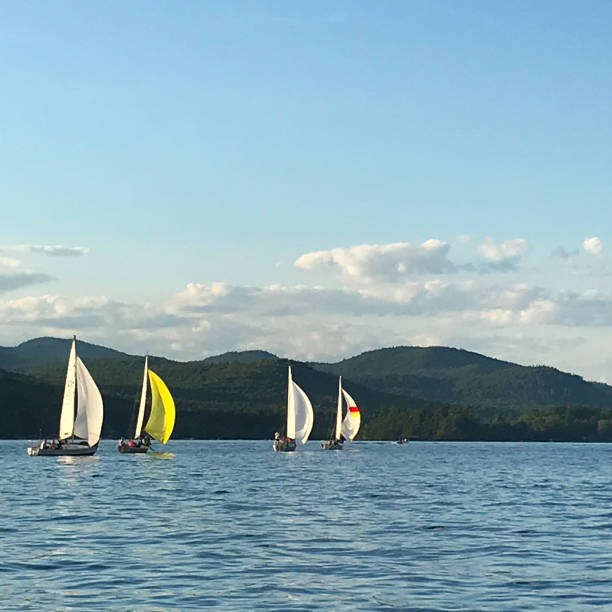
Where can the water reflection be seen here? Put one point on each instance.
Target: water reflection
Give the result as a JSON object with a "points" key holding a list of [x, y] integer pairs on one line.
{"points": [[161, 454]]}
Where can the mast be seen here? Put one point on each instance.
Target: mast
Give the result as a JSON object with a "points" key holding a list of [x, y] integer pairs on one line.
{"points": [[339, 411], [76, 390], [290, 408], [143, 399]]}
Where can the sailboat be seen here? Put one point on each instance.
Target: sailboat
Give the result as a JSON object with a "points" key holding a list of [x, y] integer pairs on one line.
{"points": [[300, 419], [344, 429], [81, 415], [161, 418]]}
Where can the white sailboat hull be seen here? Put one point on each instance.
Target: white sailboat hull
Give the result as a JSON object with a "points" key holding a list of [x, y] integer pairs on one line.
{"points": [[70, 449], [80, 417]]}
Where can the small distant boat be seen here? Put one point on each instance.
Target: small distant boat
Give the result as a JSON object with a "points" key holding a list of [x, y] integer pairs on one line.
{"points": [[345, 429], [300, 419], [402, 440], [161, 419], [81, 414]]}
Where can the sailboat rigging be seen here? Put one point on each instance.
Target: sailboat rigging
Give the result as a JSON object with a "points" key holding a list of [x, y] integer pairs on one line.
{"points": [[345, 429], [300, 419], [161, 418], [81, 414]]}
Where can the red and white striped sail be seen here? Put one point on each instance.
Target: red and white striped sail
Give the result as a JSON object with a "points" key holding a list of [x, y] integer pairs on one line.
{"points": [[352, 420]]}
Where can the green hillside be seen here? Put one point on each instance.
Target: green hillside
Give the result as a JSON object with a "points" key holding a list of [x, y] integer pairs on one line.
{"points": [[459, 377], [430, 393], [42, 351], [240, 356], [226, 399]]}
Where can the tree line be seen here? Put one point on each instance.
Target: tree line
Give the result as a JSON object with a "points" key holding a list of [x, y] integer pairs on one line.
{"points": [[552, 423]]}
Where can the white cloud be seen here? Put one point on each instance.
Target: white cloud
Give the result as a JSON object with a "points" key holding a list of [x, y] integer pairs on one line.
{"points": [[504, 251], [8, 263], [306, 322], [395, 262], [382, 261], [382, 295], [51, 250], [593, 245]]}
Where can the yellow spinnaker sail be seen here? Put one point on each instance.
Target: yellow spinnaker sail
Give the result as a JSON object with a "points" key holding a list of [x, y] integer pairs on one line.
{"points": [[161, 420]]}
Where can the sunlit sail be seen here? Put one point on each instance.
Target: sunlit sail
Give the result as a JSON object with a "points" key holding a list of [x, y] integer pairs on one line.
{"points": [[300, 418], [81, 414], [161, 417], [345, 429]]}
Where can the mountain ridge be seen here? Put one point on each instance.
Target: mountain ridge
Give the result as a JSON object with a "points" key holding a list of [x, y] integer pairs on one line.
{"points": [[243, 394]]}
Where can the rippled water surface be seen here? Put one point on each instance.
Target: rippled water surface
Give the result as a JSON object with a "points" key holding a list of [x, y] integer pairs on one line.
{"points": [[234, 526]]}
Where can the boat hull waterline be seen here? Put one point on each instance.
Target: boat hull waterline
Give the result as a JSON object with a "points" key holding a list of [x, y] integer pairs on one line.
{"points": [[161, 418], [81, 414], [137, 447], [68, 449], [332, 445], [284, 446]]}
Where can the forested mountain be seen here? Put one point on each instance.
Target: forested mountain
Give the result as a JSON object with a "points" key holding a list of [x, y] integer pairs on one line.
{"points": [[228, 399], [240, 356], [24, 405], [43, 351], [460, 377], [433, 393]]}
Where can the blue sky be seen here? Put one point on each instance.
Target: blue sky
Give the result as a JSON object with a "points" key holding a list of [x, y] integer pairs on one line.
{"points": [[311, 178]]}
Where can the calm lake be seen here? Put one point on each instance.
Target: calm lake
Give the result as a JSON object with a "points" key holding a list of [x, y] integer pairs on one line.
{"points": [[378, 526]]}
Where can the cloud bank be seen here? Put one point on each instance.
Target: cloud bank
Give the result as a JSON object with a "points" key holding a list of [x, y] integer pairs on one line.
{"points": [[380, 295]]}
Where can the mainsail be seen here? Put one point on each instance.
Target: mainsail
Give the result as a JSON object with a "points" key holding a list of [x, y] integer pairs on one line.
{"points": [[338, 429], [161, 419], [302, 414], [90, 412], [291, 408], [143, 400], [66, 424]]}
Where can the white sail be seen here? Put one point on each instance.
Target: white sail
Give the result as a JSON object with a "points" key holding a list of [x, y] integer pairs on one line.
{"points": [[290, 408], [66, 423], [338, 430], [90, 411], [352, 420], [143, 400], [304, 416]]}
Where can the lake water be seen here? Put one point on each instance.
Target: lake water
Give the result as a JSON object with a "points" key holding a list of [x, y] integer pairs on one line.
{"points": [[235, 526]]}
